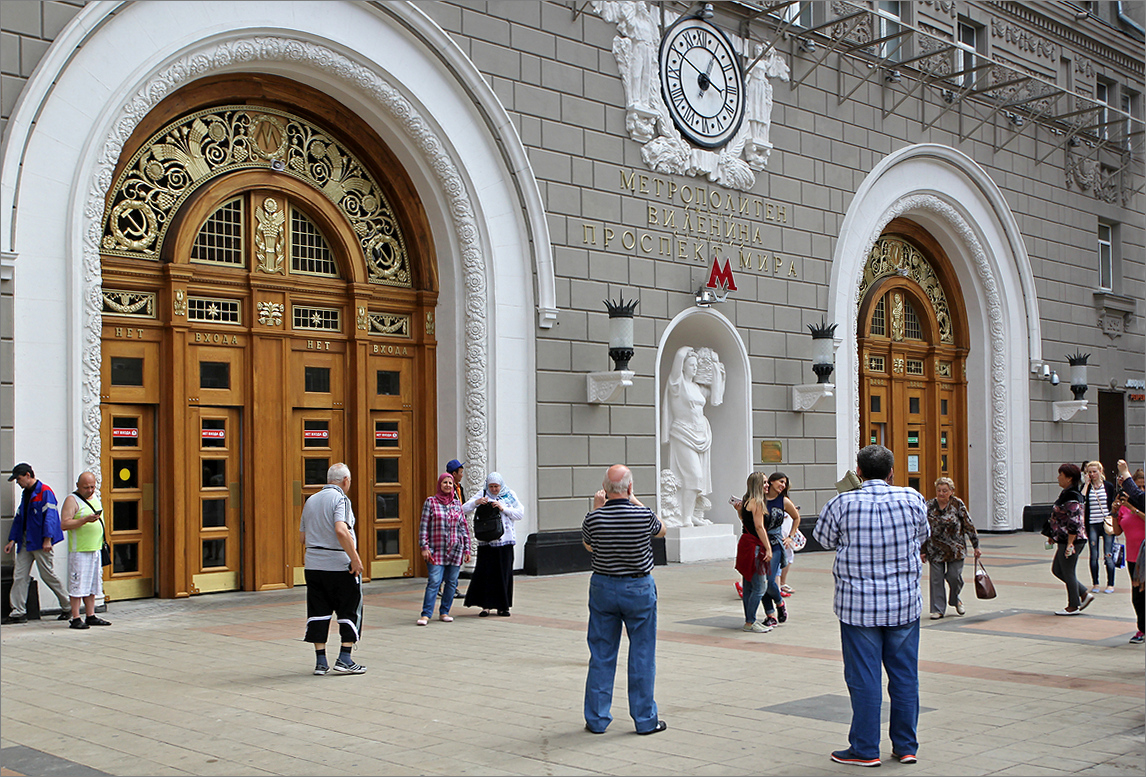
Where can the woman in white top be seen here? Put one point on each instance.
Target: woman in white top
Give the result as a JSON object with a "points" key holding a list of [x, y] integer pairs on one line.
{"points": [[1097, 496], [492, 585]]}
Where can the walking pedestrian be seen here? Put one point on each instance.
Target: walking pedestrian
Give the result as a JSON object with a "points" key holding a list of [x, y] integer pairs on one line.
{"points": [[333, 571], [35, 530], [946, 548]]}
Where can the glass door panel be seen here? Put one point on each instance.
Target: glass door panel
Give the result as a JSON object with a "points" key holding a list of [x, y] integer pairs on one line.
{"points": [[128, 495], [215, 499], [318, 438]]}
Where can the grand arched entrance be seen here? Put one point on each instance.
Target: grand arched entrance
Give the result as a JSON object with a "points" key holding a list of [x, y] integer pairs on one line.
{"points": [[268, 310], [912, 353]]}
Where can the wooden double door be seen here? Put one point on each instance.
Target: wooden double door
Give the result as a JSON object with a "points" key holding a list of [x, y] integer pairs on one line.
{"points": [[913, 386], [231, 392]]}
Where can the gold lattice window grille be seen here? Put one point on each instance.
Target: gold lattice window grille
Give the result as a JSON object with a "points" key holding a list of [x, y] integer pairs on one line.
{"points": [[914, 366], [310, 253], [912, 330], [212, 310], [320, 319], [879, 320], [876, 364], [220, 240]]}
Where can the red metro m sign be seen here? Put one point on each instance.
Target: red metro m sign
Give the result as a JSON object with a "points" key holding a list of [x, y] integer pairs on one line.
{"points": [[721, 280]]}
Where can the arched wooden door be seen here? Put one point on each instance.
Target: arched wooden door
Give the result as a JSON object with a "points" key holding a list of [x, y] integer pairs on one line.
{"points": [[912, 362], [277, 336]]}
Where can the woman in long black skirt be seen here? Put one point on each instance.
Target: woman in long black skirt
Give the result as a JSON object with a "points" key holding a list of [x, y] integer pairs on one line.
{"points": [[491, 586]]}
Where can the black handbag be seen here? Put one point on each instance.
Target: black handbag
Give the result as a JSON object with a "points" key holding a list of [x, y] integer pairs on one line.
{"points": [[105, 549], [487, 523]]}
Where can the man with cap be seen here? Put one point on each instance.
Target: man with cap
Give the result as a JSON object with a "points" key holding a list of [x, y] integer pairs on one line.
{"points": [[35, 529], [456, 470]]}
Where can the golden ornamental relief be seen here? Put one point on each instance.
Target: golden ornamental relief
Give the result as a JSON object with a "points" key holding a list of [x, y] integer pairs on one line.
{"points": [[269, 240], [271, 313], [944, 369], [362, 320], [430, 323], [204, 145], [389, 324], [179, 303], [897, 365], [139, 304], [892, 256], [897, 316]]}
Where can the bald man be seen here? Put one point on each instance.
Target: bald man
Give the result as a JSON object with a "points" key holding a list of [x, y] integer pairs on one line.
{"points": [[81, 517], [619, 533]]}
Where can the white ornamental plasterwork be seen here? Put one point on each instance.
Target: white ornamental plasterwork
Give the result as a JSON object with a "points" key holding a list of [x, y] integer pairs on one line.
{"points": [[647, 118], [300, 54], [997, 402]]}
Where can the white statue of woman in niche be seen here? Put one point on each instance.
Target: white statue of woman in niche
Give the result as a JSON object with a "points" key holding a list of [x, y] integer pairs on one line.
{"points": [[696, 377]]}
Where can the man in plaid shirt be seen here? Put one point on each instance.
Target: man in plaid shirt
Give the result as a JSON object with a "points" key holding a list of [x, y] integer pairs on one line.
{"points": [[876, 531]]}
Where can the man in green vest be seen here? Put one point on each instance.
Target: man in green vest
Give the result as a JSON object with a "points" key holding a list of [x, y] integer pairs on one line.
{"points": [[82, 518]]}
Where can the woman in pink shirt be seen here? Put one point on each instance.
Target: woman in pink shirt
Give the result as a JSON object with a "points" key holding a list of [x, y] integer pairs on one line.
{"points": [[1130, 520]]}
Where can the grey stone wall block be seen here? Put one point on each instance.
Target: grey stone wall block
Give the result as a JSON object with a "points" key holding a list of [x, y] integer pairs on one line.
{"points": [[606, 450], [495, 60], [632, 420], [590, 419], [31, 52], [577, 53], [559, 137], [9, 54], [582, 113], [56, 16], [561, 77], [555, 482], [22, 18], [641, 448], [560, 449], [486, 27], [562, 198], [554, 419], [536, 101], [559, 514], [555, 356], [533, 41]]}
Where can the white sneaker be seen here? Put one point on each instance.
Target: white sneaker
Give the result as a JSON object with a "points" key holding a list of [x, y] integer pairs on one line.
{"points": [[936, 616], [1108, 590], [756, 627], [959, 608], [1069, 612]]}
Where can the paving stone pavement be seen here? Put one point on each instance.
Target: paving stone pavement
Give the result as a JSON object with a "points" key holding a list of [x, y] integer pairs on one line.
{"points": [[222, 685]]}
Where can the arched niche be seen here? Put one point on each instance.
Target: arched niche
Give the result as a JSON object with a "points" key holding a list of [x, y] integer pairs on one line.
{"points": [[731, 421]]}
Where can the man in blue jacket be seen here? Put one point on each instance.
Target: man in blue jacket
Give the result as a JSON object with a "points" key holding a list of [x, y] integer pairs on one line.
{"points": [[35, 530]]}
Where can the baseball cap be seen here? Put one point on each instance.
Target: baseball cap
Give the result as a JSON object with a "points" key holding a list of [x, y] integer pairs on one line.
{"points": [[453, 465], [23, 468]]}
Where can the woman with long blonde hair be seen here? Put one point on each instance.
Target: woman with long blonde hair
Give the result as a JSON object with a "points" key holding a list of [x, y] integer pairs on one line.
{"points": [[754, 552]]}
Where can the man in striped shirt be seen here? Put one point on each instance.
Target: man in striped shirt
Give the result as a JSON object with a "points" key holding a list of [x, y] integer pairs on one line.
{"points": [[619, 533], [876, 531]]}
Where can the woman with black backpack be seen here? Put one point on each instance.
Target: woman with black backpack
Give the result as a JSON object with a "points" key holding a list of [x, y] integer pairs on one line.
{"points": [[495, 512]]}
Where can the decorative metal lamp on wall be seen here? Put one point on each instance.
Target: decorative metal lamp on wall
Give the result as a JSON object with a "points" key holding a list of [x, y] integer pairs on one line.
{"points": [[604, 386], [1064, 411], [805, 396]]}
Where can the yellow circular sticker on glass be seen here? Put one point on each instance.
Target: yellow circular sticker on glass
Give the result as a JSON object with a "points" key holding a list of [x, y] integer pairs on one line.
{"points": [[125, 474]]}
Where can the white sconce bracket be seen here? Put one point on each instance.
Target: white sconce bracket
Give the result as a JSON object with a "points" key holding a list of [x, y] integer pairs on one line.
{"points": [[805, 396], [606, 386], [1064, 411]]}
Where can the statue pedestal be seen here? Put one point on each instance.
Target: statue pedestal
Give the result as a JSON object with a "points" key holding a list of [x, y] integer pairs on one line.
{"points": [[716, 542]]}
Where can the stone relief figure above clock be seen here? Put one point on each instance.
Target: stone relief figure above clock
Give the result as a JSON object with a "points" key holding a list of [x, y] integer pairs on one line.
{"points": [[687, 98], [695, 379]]}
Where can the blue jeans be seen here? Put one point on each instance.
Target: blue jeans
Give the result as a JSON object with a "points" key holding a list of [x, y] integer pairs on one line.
{"points": [[436, 572], [1094, 532], [633, 602], [753, 590], [772, 596], [897, 648]]}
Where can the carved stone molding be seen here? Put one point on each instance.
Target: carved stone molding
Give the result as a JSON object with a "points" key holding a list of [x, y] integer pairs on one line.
{"points": [[1064, 411], [294, 54], [997, 390], [605, 386], [664, 149], [1023, 40], [806, 395]]}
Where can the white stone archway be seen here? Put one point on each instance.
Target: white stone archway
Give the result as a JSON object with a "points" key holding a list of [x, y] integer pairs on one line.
{"points": [[951, 196], [396, 69]]}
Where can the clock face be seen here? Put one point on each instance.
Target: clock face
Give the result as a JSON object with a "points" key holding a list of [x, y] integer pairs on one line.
{"points": [[702, 82]]}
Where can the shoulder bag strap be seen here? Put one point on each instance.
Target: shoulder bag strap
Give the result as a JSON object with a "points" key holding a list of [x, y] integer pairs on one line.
{"points": [[97, 512]]}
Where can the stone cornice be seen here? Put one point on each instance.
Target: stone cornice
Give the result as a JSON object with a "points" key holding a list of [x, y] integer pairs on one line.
{"points": [[1073, 39]]}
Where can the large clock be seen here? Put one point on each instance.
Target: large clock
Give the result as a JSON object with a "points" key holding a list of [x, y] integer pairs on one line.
{"points": [[702, 82]]}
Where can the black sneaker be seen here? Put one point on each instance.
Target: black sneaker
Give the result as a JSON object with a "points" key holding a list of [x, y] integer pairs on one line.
{"points": [[351, 668], [321, 669], [95, 620], [14, 619], [781, 613], [78, 623], [64, 616]]}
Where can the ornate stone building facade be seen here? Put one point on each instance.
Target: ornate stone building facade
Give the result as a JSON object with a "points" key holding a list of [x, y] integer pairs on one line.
{"points": [[262, 238]]}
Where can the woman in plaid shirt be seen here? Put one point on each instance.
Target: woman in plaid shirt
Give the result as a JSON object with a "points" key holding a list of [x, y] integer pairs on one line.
{"points": [[445, 540]]}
